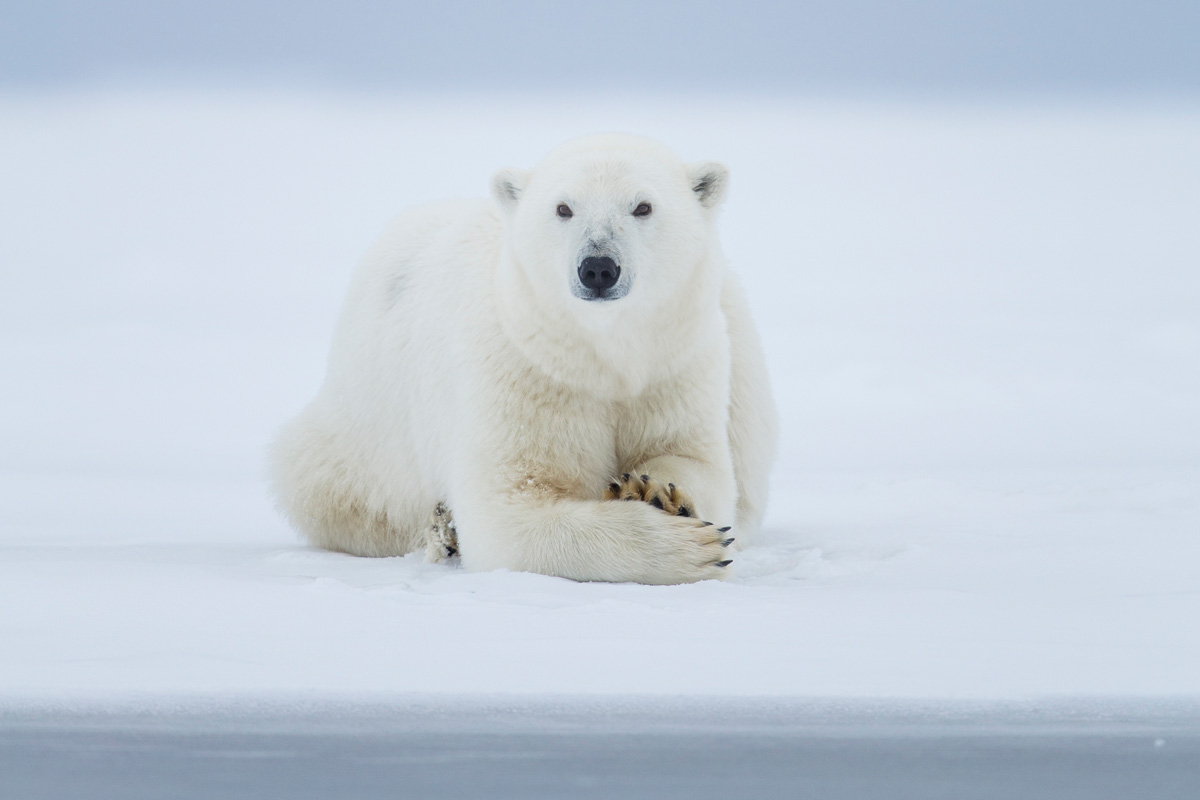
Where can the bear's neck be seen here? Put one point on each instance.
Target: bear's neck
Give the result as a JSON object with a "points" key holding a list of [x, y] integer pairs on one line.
{"points": [[613, 354]]}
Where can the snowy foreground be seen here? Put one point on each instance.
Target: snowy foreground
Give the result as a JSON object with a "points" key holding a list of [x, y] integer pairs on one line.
{"points": [[935, 587], [981, 325]]}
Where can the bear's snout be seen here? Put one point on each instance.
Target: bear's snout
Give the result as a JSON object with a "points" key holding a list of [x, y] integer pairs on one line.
{"points": [[599, 273]]}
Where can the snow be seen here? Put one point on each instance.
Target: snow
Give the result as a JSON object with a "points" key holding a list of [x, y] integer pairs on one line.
{"points": [[980, 320]]}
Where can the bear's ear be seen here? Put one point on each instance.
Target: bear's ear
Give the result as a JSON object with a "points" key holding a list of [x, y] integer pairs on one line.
{"points": [[709, 180], [507, 185]]}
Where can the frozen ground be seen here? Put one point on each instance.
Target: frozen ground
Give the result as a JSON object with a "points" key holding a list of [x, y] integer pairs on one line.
{"points": [[983, 330]]}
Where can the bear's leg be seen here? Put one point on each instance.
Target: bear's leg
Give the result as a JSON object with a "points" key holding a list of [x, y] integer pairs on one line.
{"points": [[589, 540], [689, 487], [752, 423], [330, 495]]}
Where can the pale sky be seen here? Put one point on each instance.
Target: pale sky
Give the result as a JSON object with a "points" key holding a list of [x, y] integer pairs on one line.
{"points": [[832, 46]]}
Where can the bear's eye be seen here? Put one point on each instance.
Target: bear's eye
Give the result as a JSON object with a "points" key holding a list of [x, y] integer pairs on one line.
{"points": [[564, 211], [643, 210]]}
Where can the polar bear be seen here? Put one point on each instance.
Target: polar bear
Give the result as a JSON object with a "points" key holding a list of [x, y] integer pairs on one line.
{"points": [[505, 374]]}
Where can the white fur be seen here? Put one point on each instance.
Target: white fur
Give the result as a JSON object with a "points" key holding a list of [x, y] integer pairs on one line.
{"points": [[464, 370]]}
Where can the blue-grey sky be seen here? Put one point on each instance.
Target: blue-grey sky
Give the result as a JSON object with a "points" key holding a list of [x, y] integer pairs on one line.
{"points": [[830, 46]]}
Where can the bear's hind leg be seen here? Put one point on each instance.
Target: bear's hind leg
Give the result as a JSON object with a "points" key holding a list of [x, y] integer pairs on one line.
{"points": [[331, 497]]}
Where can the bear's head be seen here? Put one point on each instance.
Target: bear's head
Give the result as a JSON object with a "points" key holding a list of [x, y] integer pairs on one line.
{"points": [[611, 224]]}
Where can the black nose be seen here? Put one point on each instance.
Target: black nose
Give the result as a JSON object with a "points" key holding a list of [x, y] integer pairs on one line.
{"points": [[599, 272]]}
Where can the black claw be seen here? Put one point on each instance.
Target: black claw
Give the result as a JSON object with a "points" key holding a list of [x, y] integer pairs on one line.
{"points": [[671, 486], [656, 503], [724, 563], [683, 512], [727, 542], [725, 529], [625, 477], [615, 488], [705, 524], [646, 478]]}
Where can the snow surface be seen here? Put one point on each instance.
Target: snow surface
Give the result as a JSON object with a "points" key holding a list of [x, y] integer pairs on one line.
{"points": [[982, 327]]}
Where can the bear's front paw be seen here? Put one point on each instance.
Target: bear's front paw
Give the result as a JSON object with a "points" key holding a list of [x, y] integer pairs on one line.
{"points": [[692, 550], [665, 496]]}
